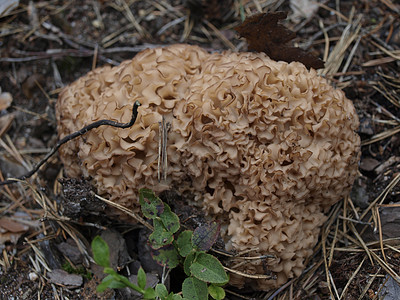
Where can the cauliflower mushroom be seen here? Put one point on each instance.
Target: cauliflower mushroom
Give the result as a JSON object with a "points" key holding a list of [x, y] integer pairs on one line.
{"points": [[266, 147]]}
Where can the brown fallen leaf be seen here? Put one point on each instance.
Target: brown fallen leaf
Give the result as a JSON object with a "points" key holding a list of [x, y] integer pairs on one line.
{"points": [[10, 231], [11, 225], [368, 164], [264, 34], [8, 237]]}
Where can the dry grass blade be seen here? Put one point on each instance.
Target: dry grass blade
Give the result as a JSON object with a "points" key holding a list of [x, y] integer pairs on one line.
{"points": [[238, 295], [360, 239], [333, 244], [337, 55], [5, 262], [378, 61], [386, 112], [354, 221], [39, 255], [383, 49], [14, 153], [385, 241], [328, 278], [240, 255], [326, 37], [333, 285], [132, 19], [311, 276], [390, 205], [350, 57], [50, 212], [380, 232], [336, 12], [381, 197], [253, 276], [41, 116], [393, 248], [282, 288], [218, 34], [110, 39], [171, 24], [390, 80], [386, 267], [14, 200], [127, 211], [381, 136], [368, 285], [389, 88]]}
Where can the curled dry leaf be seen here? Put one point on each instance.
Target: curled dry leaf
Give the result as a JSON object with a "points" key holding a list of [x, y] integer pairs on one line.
{"points": [[11, 225], [264, 34], [10, 231]]}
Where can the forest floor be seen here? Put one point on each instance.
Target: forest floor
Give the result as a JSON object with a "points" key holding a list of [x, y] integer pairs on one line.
{"points": [[45, 45]]}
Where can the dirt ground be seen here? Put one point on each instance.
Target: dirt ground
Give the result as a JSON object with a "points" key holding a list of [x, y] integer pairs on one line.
{"points": [[45, 45]]}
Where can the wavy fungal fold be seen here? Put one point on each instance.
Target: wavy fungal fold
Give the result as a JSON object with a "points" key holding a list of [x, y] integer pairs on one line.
{"points": [[265, 147]]}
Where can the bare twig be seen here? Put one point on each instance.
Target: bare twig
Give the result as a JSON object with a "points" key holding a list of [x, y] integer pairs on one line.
{"points": [[71, 137]]}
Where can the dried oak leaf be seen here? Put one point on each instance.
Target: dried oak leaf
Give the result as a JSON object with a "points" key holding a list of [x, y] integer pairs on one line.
{"points": [[264, 34]]}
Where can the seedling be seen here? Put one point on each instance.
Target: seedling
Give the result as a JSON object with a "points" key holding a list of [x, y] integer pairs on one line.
{"points": [[205, 274]]}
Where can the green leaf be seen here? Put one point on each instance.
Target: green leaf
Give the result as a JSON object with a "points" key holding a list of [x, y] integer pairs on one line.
{"points": [[170, 220], [217, 292], [110, 271], [184, 242], [194, 289], [173, 296], [109, 282], [151, 205], [149, 293], [125, 281], [161, 291], [188, 262], [160, 236], [101, 253], [166, 256], [205, 236], [208, 268], [141, 278]]}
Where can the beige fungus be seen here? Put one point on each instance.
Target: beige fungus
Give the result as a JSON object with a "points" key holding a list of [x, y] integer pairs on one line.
{"points": [[266, 147]]}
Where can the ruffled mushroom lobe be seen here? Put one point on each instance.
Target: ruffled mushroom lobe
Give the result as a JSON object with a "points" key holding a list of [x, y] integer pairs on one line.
{"points": [[265, 147]]}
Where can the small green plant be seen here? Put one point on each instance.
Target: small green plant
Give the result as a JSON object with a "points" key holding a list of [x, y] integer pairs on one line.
{"points": [[205, 274], [78, 270]]}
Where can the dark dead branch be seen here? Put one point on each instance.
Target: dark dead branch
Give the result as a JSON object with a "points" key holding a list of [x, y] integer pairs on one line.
{"points": [[73, 136]]}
